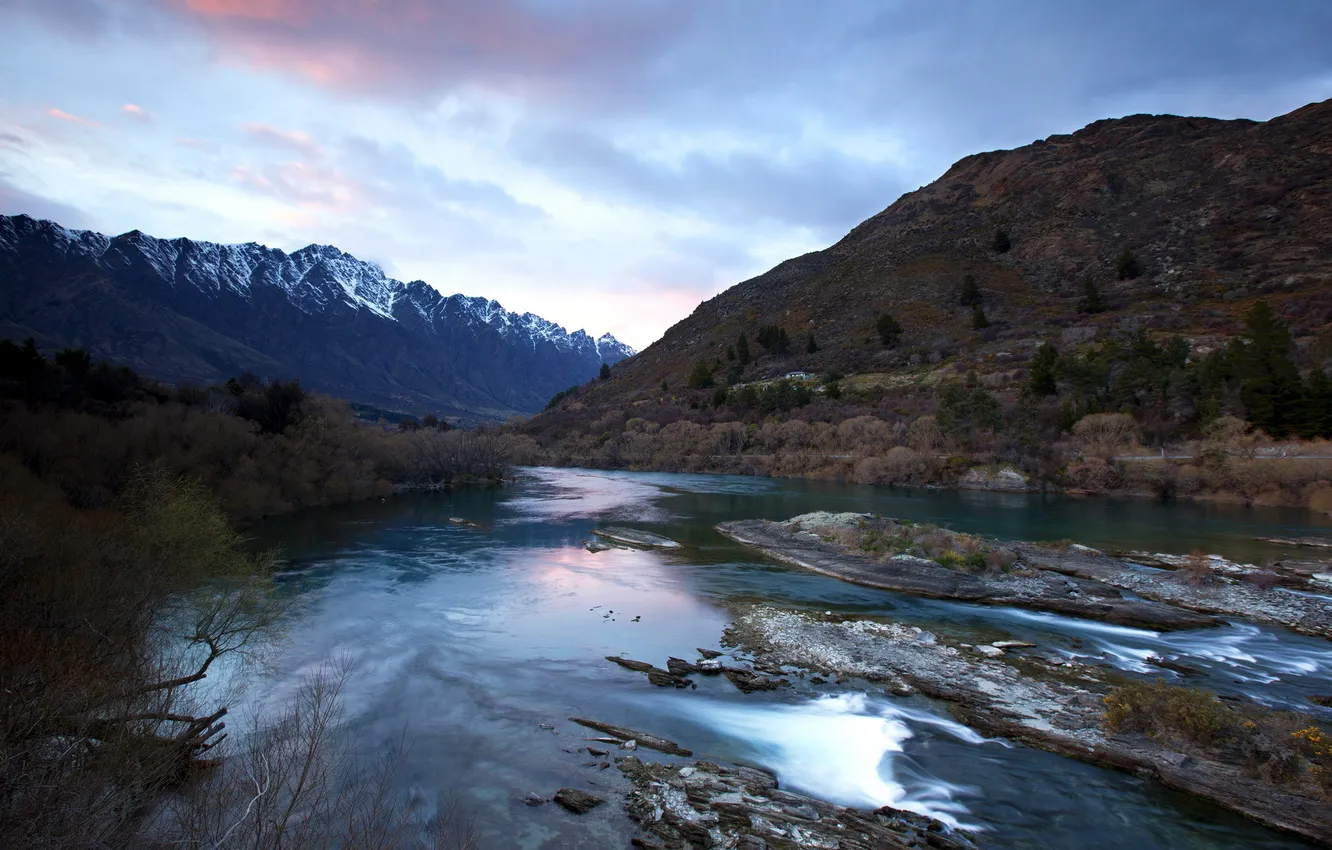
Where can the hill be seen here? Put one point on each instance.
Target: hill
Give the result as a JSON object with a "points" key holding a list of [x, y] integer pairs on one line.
{"points": [[199, 312], [1135, 249]]}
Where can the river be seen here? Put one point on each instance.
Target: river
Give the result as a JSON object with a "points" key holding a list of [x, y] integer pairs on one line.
{"points": [[466, 642]]}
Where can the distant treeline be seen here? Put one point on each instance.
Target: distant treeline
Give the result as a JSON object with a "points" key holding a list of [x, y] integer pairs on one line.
{"points": [[261, 447]]}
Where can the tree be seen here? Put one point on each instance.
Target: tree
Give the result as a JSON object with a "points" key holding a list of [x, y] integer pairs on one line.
{"points": [[700, 378], [889, 330], [1318, 405], [978, 319], [1044, 370], [1105, 435], [430, 420], [665, 387], [1001, 242], [773, 339], [1127, 266], [605, 372], [1270, 384], [971, 294], [730, 353], [1091, 302], [810, 345], [75, 361], [968, 408], [742, 350]]}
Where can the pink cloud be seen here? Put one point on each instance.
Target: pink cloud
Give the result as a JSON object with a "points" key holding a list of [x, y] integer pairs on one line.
{"points": [[430, 45], [71, 117], [294, 139], [136, 111]]}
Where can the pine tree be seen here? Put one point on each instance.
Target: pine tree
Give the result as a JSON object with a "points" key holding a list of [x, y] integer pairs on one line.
{"points": [[1127, 266], [1318, 405], [701, 376], [978, 319], [1091, 302], [1270, 388], [889, 330], [810, 345], [730, 353], [1044, 370], [971, 294], [605, 372], [773, 339], [1001, 241], [742, 350]]}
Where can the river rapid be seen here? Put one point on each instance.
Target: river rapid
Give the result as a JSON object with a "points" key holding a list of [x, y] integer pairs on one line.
{"points": [[469, 643]]}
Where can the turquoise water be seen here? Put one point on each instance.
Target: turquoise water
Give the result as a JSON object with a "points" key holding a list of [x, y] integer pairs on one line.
{"points": [[465, 641]]}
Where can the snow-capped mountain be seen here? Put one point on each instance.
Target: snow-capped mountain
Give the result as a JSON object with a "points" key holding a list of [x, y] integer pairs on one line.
{"points": [[199, 312]]}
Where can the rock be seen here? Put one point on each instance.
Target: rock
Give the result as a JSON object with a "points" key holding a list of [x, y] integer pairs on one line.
{"points": [[680, 667], [630, 744], [709, 653], [636, 538], [1005, 478], [666, 679], [1324, 700], [1012, 644], [578, 802], [630, 664], [593, 751], [748, 681], [466, 523], [710, 805], [643, 739], [990, 651], [533, 799]]}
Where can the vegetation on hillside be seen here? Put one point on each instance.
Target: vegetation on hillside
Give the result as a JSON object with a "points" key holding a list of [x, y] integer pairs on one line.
{"points": [[1068, 417]]}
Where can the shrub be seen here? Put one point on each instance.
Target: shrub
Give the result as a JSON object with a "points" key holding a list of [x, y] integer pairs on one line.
{"points": [[1105, 435], [1169, 714], [1127, 266]]}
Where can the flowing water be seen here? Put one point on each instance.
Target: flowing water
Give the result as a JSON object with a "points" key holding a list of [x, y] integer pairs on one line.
{"points": [[466, 641]]}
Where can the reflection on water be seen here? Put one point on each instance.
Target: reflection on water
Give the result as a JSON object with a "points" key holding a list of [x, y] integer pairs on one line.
{"points": [[465, 641]]}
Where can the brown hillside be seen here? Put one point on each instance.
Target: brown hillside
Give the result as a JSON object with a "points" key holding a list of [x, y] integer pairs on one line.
{"points": [[1217, 212]]}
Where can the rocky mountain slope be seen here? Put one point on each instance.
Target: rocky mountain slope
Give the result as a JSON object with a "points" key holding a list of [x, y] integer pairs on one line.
{"points": [[188, 311], [1216, 214]]}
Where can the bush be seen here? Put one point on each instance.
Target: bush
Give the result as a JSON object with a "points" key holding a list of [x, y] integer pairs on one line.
{"points": [[1127, 266], [1170, 714], [889, 330]]}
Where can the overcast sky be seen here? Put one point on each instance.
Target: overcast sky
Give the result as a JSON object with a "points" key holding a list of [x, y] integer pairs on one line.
{"points": [[606, 164]]}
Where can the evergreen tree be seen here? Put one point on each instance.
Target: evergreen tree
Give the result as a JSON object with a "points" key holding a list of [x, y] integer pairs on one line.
{"points": [[665, 387], [889, 330], [605, 372], [971, 294], [700, 378], [967, 408], [978, 319], [1001, 241], [1127, 266], [1318, 405], [773, 339], [1091, 302], [730, 353], [1270, 384], [1044, 370], [742, 350], [810, 345]]}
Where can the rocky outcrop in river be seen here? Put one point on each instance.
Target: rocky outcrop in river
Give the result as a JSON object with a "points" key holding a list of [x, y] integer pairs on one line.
{"points": [[707, 805], [810, 541], [1055, 708]]}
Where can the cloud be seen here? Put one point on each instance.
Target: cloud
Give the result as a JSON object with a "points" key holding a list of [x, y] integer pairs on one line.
{"points": [[135, 111], [291, 139], [425, 46], [821, 188], [71, 117], [16, 201]]}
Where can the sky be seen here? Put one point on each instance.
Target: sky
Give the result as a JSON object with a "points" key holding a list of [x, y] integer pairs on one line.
{"points": [[606, 164]]}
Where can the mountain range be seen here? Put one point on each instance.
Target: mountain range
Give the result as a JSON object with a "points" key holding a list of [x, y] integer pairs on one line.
{"points": [[198, 312]]}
